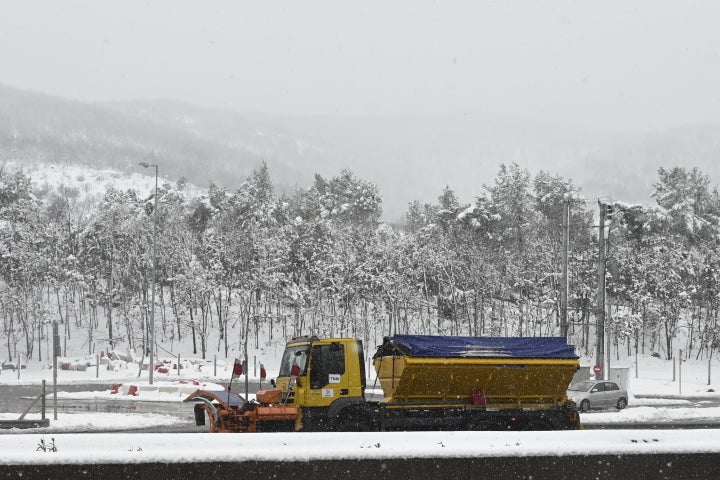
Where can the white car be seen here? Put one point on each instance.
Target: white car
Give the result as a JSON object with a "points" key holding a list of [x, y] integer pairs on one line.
{"points": [[595, 395]]}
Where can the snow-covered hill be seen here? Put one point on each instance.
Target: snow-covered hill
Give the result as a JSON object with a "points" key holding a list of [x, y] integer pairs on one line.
{"points": [[409, 157], [92, 183]]}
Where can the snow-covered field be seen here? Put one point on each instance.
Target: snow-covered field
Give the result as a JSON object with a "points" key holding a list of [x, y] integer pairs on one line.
{"points": [[654, 397]]}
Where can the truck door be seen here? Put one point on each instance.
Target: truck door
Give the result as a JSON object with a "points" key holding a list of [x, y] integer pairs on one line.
{"points": [[328, 378]]}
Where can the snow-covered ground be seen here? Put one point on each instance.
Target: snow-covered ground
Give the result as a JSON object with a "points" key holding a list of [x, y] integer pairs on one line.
{"points": [[654, 397], [84, 422], [209, 447]]}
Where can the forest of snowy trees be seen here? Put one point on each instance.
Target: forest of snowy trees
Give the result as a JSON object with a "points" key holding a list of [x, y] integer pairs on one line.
{"points": [[321, 261]]}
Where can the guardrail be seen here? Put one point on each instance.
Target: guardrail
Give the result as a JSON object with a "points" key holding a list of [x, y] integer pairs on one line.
{"points": [[670, 466], [22, 422]]}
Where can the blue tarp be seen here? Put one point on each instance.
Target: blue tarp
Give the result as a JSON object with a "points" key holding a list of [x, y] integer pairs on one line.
{"points": [[474, 347]]}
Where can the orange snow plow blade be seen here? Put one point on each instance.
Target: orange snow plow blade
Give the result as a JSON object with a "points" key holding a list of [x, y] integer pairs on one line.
{"points": [[230, 412]]}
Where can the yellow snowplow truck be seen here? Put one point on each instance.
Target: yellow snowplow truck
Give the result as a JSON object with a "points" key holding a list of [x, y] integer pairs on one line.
{"points": [[428, 383]]}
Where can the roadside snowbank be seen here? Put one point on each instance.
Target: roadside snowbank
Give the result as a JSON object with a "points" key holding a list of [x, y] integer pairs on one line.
{"points": [[84, 422], [216, 447]]}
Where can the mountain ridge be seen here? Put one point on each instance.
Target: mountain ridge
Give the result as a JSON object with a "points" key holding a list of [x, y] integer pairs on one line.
{"points": [[409, 157]]}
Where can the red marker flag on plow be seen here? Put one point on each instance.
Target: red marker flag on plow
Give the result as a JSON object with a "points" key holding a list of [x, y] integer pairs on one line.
{"points": [[237, 368], [236, 371]]}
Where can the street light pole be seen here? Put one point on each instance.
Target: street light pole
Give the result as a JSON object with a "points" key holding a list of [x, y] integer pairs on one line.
{"points": [[600, 328], [154, 266], [564, 276]]}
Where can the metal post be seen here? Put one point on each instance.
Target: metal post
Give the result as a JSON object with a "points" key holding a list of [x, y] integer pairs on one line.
{"points": [[709, 362], [247, 375], [154, 266], [636, 361], [607, 355], [141, 362], [600, 327], [151, 367], [42, 403], [56, 354], [673, 368], [680, 372], [564, 276], [97, 366]]}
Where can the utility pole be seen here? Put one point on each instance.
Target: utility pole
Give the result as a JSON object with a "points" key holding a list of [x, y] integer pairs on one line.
{"points": [[151, 367], [564, 276], [56, 354], [600, 314]]}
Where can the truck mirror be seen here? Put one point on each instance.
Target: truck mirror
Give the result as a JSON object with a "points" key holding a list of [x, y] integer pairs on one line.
{"points": [[272, 382]]}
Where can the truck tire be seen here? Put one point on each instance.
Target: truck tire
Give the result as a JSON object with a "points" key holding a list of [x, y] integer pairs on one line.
{"points": [[476, 426], [199, 412], [537, 425], [353, 420], [496, 425]]}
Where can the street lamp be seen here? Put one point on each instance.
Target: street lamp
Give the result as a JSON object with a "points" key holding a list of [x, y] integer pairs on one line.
{"points": [[154, 263]]}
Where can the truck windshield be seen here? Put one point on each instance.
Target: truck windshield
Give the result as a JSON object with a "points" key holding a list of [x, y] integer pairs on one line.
{"points": [[296, 355]]}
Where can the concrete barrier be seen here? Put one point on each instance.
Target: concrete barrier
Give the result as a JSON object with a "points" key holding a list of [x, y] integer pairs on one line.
{"points": [[685, 466], [8, 424]]}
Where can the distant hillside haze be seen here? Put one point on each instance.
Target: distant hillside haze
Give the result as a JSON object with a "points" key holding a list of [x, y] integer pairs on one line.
{"points": [[409, 157], [40, 129]]}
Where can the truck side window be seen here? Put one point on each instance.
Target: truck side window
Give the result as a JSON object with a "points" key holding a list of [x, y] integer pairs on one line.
{"points": [[326, 360]]}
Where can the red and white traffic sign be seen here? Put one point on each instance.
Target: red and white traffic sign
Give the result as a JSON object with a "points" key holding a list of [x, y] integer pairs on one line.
{"points": [[597, 369]]}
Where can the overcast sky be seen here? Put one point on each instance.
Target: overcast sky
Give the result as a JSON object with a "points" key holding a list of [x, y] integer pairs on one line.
{"points": [[615, 64]]}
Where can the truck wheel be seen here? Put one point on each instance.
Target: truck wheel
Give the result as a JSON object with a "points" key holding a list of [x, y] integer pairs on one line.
{"points": [[199, 412], [537, 425], [496, 426], [585, 406], [476, 426], [621, 403], [352, 421]]}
